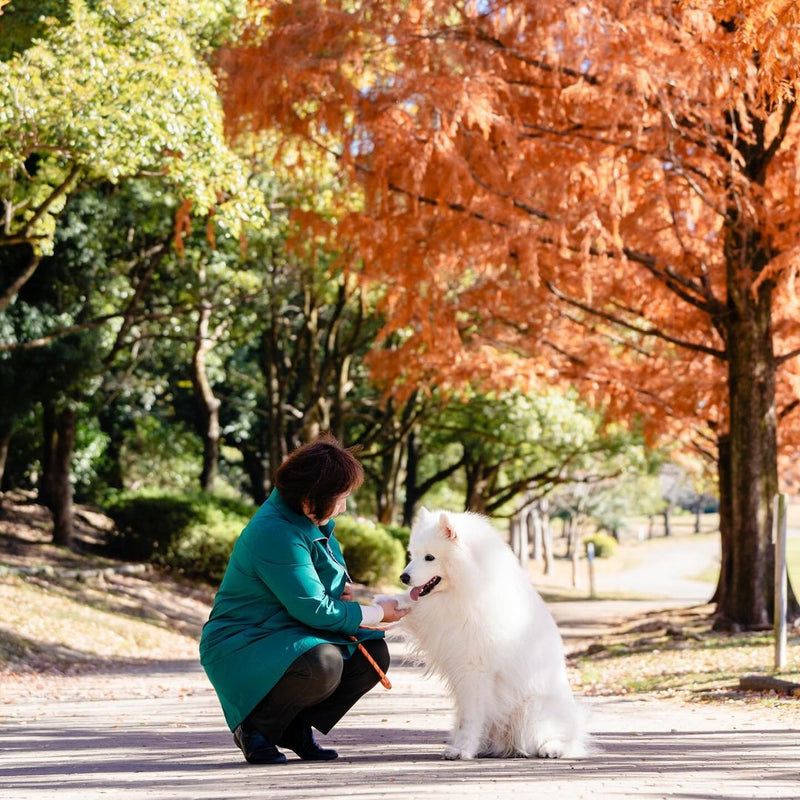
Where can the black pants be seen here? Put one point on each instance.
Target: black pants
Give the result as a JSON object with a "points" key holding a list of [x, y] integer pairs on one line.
{"points": [[318, 688]]}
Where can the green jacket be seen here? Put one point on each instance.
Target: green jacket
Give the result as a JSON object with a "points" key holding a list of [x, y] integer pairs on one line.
{"points": [[279, 597]]}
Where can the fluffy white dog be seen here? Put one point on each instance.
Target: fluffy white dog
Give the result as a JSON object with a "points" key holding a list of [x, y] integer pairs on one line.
{"points": [[477, 622]]}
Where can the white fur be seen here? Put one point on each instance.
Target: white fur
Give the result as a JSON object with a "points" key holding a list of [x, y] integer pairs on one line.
{"points": [[486, 631]]}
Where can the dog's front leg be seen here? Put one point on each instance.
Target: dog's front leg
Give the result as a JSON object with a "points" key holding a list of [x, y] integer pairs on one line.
{"points": [[470, 721]]}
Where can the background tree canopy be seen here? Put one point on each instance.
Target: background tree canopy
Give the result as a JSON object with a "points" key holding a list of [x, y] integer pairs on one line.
{"points": [[500, 245], [605, 191]]}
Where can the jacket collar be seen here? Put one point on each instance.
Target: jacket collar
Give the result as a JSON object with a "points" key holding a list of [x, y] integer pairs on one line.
{"points": [[300, 521]]}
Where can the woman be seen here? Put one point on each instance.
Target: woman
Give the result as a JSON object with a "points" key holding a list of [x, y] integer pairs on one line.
{"points": [[277, 645]]}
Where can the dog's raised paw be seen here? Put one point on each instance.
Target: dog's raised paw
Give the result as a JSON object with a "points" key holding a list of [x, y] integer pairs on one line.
{"points": [[403, 600], [551, 749]]}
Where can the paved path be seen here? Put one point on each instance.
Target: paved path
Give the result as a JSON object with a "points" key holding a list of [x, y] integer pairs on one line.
{"points": [[159, 733]]}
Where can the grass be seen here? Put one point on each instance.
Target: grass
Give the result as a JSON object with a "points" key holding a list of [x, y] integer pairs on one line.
{"points": [[677, 654], [76, 624]]}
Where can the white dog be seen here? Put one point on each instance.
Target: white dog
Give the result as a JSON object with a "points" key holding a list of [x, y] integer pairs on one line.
{"points": [[477, 622]]}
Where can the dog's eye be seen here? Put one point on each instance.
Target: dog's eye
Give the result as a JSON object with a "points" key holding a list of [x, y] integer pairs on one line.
{"points": [[429, 557]]}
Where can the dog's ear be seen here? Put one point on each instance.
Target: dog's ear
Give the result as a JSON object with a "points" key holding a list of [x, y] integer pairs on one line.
{"points": [[447, 528]]}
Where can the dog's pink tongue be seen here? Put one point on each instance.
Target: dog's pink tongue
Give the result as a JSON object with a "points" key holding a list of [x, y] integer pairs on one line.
{"points": [[414, 594]]}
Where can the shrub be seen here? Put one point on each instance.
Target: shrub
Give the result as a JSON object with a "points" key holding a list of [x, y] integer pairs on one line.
{"points": [[399, 532], [192, 533], [195, 533], [604, 545], [373, 555]]}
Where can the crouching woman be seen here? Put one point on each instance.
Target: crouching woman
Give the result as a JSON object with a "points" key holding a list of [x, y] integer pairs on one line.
{"points": [[277, 646]]}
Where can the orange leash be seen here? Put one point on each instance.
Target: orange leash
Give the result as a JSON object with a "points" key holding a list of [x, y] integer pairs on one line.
{"points": [[381, 674]]}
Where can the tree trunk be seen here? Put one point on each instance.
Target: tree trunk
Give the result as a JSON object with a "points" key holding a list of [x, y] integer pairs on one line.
{"points": [[725, 517], [747, 598], [277, 438], [412, 495], [475, 498], [207, 404], [524, 542], [6, 429], [547, 543], [112, 473], [390, 481], [49, 438], [569, 527], [513, 535], [61, 486], [256, 473], [535, 532]]}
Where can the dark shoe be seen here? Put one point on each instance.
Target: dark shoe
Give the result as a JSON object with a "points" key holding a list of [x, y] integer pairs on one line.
{"points": [[256, 749], [298, 737]]}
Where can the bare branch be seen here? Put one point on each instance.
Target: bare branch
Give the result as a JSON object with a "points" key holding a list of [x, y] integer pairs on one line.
{"points": [[13, 289], [782, 359]]}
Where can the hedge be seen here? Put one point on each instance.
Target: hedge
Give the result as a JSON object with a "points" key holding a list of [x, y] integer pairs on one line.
{"points": [[195, 533]]}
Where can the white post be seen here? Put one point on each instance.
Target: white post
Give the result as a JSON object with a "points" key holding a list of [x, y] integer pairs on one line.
{"points": [[779, 539]]}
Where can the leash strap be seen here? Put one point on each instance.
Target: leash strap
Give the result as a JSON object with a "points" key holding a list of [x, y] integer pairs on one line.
{"points": [[381, 674]]}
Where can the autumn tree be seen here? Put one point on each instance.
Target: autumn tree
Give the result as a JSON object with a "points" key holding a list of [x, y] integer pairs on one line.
{"points": [[602, 193]]}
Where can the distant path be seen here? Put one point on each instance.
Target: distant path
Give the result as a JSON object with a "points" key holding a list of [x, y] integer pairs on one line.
{"points": [[668, 571], [653, 569]]}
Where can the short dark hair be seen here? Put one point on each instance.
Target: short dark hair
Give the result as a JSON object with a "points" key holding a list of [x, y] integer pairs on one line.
{"points": [[318, 472]]}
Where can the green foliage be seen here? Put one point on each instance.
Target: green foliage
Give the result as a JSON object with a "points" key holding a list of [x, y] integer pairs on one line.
{"points": [[192, 533], [109, 90], [27, 20], [604, 545], [513, 442], [399, 532], [373, 555], [160, 453]]}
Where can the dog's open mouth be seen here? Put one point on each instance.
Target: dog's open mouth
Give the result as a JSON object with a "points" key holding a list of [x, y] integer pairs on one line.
{"points": [[421, 591]]}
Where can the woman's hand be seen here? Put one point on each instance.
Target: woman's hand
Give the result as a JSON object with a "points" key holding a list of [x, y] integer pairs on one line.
{"points": [[391, 610], [348, 595]]}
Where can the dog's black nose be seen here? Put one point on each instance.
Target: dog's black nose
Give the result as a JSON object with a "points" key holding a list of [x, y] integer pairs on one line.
{"points": [[406, 578]]}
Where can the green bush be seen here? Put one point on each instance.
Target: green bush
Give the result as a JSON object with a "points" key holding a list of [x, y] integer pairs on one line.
{"points": [[604, 545], [373, 555], [399, 532], [192, 533], [195, 533]]}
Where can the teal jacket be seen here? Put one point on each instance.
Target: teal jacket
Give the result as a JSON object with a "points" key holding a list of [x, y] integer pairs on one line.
{"points": [[279, 597]]}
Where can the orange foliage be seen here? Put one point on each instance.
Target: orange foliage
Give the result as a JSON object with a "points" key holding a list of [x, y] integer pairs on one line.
{"points": [[584, 192]]}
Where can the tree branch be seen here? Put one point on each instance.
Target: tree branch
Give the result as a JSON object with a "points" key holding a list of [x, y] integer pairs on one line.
{"points": [[11, 291], [56, 194], [652, 331], [782, 359]]}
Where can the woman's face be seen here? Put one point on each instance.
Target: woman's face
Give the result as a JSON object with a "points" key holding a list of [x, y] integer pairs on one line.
{"points": [[341, 505]]}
